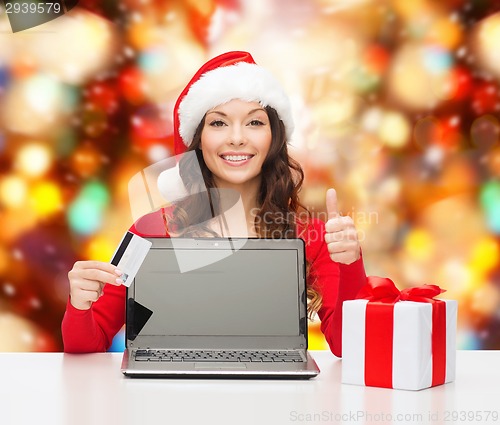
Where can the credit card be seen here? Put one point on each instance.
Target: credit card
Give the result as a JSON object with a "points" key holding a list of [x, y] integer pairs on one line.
{"points": [[130, 255]]}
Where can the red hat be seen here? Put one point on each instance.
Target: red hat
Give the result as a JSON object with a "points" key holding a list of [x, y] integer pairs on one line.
{"points": [[232, 75]]}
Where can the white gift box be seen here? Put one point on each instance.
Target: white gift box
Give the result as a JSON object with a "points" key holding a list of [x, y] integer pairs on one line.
{"points": [[412, 358]]}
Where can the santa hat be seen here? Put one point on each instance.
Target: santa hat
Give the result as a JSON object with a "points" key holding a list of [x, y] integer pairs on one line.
{"points": [[232, 75]]}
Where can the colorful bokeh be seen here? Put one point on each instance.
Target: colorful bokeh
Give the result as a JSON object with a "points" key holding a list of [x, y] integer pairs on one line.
{"points": [[396, 102]]}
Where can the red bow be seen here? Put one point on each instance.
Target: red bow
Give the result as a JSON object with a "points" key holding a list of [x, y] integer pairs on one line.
{"points": [[383, 289]]}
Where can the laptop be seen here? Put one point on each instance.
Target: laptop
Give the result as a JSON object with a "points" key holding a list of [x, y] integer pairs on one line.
{"points": [[219, 308]]}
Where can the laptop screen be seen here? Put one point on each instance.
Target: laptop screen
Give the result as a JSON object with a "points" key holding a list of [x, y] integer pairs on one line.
{"points": [[247, 292]]}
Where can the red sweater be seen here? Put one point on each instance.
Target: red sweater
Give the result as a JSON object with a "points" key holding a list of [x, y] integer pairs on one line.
{"points": [[92, 330]]}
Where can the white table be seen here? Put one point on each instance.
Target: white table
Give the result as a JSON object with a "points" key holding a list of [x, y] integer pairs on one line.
{"points": [[56, 388]]}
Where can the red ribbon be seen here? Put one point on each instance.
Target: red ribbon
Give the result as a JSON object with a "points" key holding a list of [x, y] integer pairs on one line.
{"points": [[382, 294]]}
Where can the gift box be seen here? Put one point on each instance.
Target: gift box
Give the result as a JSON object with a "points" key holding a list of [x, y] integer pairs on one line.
{"points": [[398, 339]]}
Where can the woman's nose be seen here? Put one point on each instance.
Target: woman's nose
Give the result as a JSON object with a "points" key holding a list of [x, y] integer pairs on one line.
{"points": [[237, 138]]}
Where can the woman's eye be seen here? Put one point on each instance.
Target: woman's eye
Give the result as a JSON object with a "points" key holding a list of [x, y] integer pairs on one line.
{"points": [[217, 123], [256, 122]]}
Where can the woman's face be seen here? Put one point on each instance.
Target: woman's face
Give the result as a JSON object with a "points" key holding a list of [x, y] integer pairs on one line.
{"points": [[235, 140]]}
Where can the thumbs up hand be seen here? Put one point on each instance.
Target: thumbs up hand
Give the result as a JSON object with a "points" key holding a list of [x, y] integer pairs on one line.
{"points": [[341, 236]]}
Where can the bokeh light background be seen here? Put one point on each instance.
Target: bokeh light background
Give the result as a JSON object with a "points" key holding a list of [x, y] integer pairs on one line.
{"points": [[396, 102]]}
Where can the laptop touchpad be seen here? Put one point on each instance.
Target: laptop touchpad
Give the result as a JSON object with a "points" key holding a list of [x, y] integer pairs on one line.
{"points": [[220, 365]]}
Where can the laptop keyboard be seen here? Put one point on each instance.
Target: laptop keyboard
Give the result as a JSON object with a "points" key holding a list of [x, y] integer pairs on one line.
{"points": [[218, 356]]}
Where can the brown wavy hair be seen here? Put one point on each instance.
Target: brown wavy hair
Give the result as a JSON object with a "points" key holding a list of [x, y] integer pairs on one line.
{"points": [[280, 208]]}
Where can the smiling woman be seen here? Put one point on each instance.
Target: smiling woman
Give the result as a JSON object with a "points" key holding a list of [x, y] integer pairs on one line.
{"points": [[242, 151], [233, 122]]}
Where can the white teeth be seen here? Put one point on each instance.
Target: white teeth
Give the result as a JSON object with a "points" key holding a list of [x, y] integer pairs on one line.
{"points": [[236, 157]]}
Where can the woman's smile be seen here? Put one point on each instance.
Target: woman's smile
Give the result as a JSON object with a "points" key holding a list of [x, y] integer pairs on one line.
{"points": [[236, 159]]}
